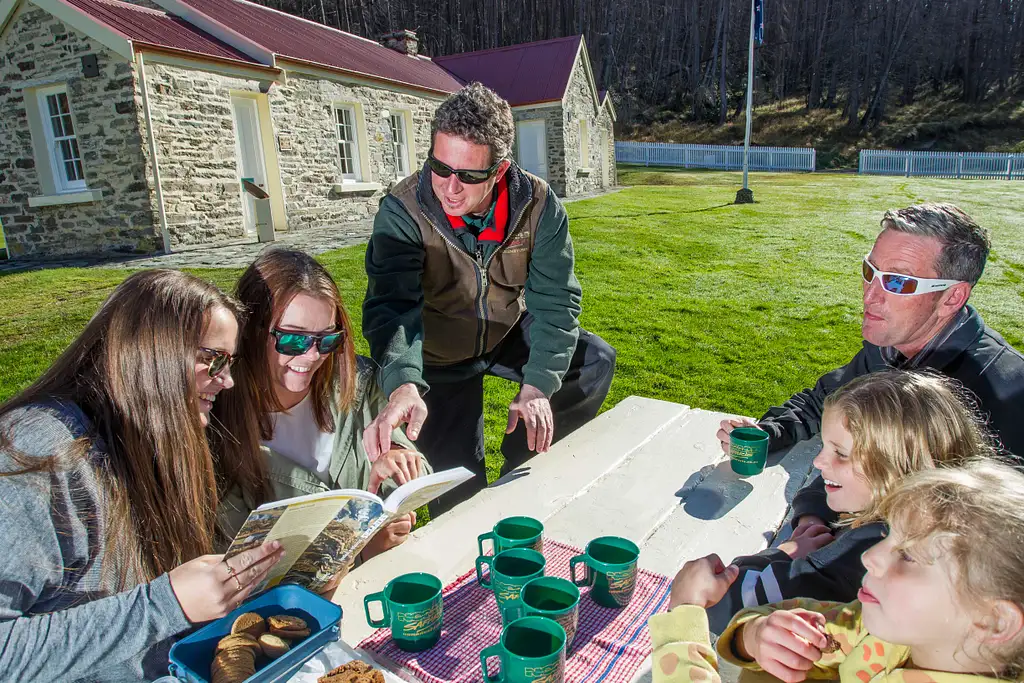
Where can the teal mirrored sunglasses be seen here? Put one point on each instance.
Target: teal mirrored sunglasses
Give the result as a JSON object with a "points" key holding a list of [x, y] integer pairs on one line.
{"points": [[290, 343]]}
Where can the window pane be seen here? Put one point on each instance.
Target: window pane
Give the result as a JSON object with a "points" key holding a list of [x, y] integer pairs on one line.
{"points": [[65, 150], [69, 127], [347, 167], [62, 103], [58, 128], [51, 103], [79, 173], [345, 128], [74, 149]]}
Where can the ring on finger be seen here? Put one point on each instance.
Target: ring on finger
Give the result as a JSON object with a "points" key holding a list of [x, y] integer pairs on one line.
{"points": [[238, 584]]}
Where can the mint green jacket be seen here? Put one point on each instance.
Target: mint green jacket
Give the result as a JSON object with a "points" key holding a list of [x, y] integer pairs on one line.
{"points": [[350, 466]]}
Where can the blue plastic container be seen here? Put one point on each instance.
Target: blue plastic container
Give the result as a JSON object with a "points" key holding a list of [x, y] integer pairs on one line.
{"points": [[191, 657]]}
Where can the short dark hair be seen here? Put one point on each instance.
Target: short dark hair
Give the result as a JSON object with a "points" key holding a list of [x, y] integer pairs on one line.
{"points": [[476, 113], [965, 244]]}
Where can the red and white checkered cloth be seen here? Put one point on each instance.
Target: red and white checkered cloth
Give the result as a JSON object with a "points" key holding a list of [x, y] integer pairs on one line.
{"points": [[610, 644]]}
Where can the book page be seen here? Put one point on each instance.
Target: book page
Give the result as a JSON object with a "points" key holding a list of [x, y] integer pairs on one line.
{"points": [[296, 528], [418, 492], [336, 545]]}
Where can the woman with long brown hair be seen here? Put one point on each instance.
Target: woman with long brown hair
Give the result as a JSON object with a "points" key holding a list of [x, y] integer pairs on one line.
{"points": [[110, 492], [301, 385]]}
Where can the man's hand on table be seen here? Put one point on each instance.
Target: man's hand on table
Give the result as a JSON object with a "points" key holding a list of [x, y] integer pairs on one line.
{"points": [[391, 536], [405, 406], [534, 408], [703, 582], [726, 427]]}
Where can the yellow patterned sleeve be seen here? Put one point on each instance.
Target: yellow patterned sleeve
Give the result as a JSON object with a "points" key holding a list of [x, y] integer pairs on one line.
{"points": [[682, 646], [842, 625]]}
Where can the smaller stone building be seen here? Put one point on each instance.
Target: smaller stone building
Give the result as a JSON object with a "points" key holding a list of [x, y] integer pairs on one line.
{"points": [[564, 125], [153, 125]]}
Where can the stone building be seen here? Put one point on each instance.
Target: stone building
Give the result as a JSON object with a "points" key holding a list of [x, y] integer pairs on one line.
{"points": [[564, 125], [150, 126]]}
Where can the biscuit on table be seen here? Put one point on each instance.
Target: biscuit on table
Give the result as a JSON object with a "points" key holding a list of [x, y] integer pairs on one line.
{"points": [[250, 623], [274, 646], [353, 672]]}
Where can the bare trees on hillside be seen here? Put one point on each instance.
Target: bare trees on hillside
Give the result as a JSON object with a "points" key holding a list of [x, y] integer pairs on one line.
{"points": [[689, 54]]}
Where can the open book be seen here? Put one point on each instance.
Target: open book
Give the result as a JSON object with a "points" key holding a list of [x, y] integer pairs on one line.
{"points": [[324, 532]]}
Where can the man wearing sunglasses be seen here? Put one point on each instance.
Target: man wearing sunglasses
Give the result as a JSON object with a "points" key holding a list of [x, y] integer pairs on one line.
{"points": [[916, 283], [470, 273]]}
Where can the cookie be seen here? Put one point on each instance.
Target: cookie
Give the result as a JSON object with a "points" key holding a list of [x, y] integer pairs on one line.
{"points": [[233, 665], [284, 626], [353, 672], [250, 623], [238, 640], [273, 646]]}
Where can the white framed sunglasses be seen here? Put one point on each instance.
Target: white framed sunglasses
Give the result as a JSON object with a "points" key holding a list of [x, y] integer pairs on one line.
{"points": [[903, 285]]}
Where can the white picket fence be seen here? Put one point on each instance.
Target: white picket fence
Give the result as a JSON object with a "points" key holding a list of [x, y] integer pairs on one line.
{"points": [[941, 164], [721, 157]]}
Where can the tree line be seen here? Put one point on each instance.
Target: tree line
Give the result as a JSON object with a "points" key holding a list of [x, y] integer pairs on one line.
{"points": [[691, 55]]}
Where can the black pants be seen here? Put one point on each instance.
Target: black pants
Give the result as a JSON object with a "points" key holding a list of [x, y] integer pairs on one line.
{"points": [[453, 434]]}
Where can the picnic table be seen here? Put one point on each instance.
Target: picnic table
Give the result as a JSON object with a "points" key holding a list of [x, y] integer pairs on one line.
{"points": [[649, 470]]}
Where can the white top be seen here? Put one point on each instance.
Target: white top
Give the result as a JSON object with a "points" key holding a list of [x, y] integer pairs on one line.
{"points": [[298, 438]]}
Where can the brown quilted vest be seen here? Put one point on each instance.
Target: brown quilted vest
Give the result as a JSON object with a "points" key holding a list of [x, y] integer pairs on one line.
{"points": [[469, 307]]}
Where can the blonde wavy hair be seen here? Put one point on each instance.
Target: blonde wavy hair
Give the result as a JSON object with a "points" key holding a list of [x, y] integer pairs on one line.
{"points": [[902, 422], [974, 515]]}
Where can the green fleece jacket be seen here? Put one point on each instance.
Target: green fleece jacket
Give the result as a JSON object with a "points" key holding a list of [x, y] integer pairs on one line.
{"points": [[392, 321]]}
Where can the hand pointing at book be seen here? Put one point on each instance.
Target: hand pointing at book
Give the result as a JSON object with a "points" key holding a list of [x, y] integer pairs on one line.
{"points": [[399, 464]]}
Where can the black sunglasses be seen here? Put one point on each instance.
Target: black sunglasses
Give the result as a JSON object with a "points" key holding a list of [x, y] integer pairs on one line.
{"points": [[218, 362], [298, 343], [465, 175]]}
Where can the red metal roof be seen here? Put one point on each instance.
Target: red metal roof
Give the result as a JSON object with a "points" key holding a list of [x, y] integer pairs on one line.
{"points": [[523, 74], [146, 25], [292, 37]]}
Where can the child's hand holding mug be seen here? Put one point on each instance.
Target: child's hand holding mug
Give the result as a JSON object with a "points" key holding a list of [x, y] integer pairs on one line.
{"points": [[785, 643]]}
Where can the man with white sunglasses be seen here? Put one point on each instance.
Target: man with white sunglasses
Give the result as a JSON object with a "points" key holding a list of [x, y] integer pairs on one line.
{"points": [[917, 281]]}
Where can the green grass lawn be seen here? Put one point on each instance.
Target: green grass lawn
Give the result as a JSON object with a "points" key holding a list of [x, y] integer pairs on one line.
{"points": [[718, 306]]}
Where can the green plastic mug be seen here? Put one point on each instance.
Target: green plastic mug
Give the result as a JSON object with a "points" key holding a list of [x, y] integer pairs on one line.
{"points": [[748, 450], [551, 597], [509, 571], [611, 570], [411, 606], [531, 650], [513, 532]]}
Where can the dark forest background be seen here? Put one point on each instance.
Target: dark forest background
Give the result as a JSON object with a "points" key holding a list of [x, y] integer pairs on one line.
{"points": [[690, 55]]}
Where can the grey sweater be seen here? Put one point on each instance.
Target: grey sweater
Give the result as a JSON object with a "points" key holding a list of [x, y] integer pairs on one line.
{"points": [[60, 620]]}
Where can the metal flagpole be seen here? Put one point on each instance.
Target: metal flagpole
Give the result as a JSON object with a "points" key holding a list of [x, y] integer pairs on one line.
{"points": [[745, 196]]}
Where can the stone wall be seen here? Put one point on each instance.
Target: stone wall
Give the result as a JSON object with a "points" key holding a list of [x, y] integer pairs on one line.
{"points": [[195, 140], [195, 133], [580, 105], [605, 123], [303, 111], [37, 49], [553, 131]]}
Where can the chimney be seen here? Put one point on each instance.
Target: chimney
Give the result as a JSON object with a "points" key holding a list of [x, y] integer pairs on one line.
{"points": [[404, 41]]}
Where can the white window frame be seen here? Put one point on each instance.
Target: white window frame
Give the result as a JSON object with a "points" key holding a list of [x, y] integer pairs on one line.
{"points": [[355, 174], [584, 130], [55, 143], [400, 147]]}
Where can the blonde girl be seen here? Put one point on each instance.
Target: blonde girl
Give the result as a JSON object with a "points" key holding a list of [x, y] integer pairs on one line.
{"points": [[875, 430], [942, 601]]}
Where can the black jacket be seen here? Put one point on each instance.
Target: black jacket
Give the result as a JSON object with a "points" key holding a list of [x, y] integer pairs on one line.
{"points": [[975, 355], [834, 572]]}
